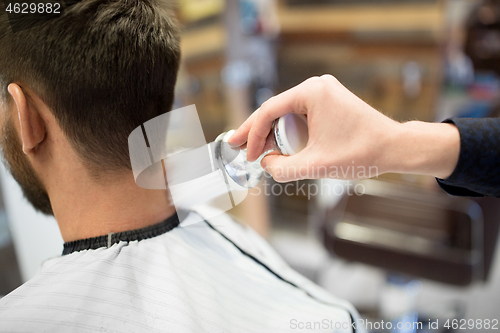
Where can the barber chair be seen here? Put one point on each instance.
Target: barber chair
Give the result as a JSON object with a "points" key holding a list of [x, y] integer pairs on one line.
{"points": [[413, 232], [410, 230]]}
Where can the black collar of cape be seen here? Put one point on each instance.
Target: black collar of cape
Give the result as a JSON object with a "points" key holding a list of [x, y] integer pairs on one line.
{"points": [[124, 236]]}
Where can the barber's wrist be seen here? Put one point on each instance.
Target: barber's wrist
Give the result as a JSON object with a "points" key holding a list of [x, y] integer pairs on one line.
{"points": [[451, 148], [426, 149]]}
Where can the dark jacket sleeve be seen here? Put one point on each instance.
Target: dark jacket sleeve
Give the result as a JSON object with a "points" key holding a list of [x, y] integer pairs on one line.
{"points": [[477, 172]]}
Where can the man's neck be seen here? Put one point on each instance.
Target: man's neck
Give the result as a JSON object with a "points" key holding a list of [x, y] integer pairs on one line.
{"points": [[85, 208]]}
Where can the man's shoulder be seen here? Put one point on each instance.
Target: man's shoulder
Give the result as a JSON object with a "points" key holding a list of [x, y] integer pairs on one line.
{"points": [[241, 236], [203, 276]]}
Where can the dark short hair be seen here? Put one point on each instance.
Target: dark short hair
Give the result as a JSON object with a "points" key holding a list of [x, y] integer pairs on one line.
{"points": [[104, 67]]}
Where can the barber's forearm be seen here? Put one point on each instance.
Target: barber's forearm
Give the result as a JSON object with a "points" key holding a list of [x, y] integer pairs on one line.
{"points": [[346, 133], [424, 148]]}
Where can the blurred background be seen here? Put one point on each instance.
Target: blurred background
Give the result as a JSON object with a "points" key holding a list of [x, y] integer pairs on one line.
{"points": [[403, 251]]}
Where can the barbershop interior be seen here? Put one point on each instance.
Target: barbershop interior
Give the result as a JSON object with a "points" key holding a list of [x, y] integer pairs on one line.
{"points": [[397, 247]]}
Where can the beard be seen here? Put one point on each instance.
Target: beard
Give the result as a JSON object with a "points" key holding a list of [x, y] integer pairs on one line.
{"points": [[19, 166]]}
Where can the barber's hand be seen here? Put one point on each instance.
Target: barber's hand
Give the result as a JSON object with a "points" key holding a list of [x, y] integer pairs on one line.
{"points": [[348, 139]]}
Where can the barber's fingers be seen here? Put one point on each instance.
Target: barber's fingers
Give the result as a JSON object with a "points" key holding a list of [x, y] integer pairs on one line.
{"points": [[240, 136], [272, 109], [286, 168]]}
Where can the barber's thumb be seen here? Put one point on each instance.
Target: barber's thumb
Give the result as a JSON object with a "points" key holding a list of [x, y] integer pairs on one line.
{"points": [[284, 168]]}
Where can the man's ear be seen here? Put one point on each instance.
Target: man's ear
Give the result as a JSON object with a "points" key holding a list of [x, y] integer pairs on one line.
{"points": [[31, 123]]}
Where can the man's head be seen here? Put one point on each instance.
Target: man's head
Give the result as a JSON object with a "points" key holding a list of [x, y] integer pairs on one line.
{"points": [[102, 68]]}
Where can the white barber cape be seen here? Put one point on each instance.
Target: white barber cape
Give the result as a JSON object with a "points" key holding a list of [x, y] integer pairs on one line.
{"points": [[211, 276]]}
